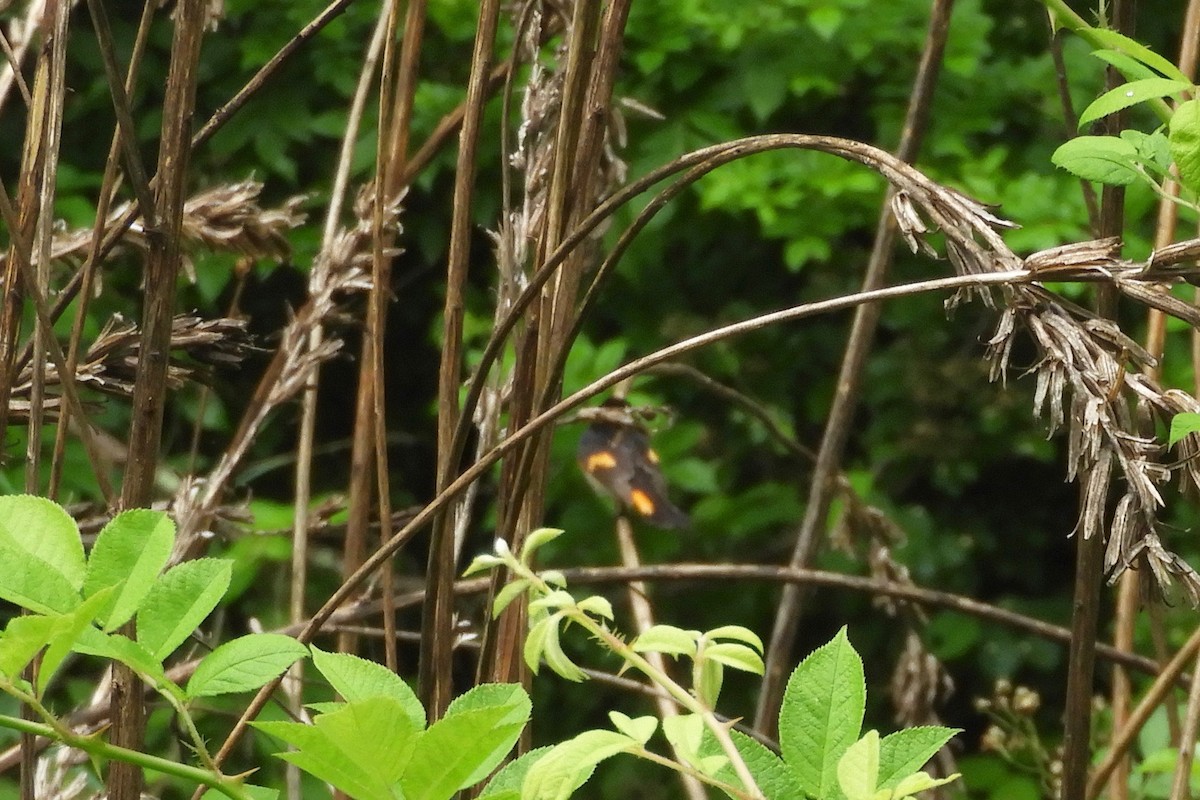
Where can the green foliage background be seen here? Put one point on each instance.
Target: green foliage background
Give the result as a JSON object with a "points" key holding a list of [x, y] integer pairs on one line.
{"points": [[957, 462]]}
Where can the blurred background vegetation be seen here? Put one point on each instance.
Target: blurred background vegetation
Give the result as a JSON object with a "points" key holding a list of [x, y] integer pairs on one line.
{"points": [[958, 463]]}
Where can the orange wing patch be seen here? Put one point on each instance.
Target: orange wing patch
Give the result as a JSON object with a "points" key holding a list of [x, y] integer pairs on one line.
{"points": [[642, 502], [603, 459]]}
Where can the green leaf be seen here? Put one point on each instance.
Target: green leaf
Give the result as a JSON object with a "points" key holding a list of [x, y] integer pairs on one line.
{"points": [[666, 639], [822, 713], [567, 766], [737, 633], [737, 656], [179, 601], [356, 678], [1105, 159], [685, 732], [555, 658], [535, 642], [1131, 94], [129, 552], [244, 664], [535, 540], [254, 792], [24, 637], [465, 745], [709, 681], [904, 752], [640, 729], [506, 783], [919, 782], [375, 734], [774, 777], [1184, 138], [41, 555], [1123, 44], [1131, 68], [325, 758], [597, 606], [64, 638], [482, 564], [511, 591], [858, 768], [116, 647]]}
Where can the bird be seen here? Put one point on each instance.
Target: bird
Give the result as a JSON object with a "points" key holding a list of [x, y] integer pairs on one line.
{"points": [[615, 455]]}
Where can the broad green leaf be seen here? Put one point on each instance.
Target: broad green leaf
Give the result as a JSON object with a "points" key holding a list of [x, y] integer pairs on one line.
{"points": [[356, 678], [459, 750], [858, 768], [1152, 148], [244, 664], [822, 713], [129, 552], [506, 783], [323, 759], [255, 793], [179, 601], [375, 734], [1105, 159], [41, 555], [24, 637], [737, 633], [774, 777], [556, 775], [74, 624], [1184, 138], [904, 752], [117, 647], [1123, 44], [737, 656], [640, 729], [1131, 94], [666, 639]]}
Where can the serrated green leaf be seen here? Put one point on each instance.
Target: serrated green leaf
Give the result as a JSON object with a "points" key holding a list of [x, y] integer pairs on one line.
{"points": [[324, 759], [556, 775], [24, 637], [774, 777], [734, 655], [116, 647], [130, 552], [904, 752], [506, 783], [1105, 159], [666, 639], [1123, 44], [511, 591], [179, 601], [356, 679], [41, 555], [1130, 68], [1131, 94], [822, 713], [858, 768], [244, 664], [376, 734], [1152, 148], [1184, 138], [640, 729], [737, 633], [65, 638], [461, 749]]}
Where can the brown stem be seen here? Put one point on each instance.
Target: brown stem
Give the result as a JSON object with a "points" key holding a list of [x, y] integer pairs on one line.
{"points": [[845, 402]]}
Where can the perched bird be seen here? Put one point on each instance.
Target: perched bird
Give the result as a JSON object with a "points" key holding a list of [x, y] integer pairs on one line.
{"points": [[615, 454]]}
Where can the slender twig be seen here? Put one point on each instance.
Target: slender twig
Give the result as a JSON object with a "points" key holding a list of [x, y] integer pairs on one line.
{"points": [[838, 425]]}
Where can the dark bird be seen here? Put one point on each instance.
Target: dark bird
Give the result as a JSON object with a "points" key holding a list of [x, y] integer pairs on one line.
{"points": [[615, 454]]}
